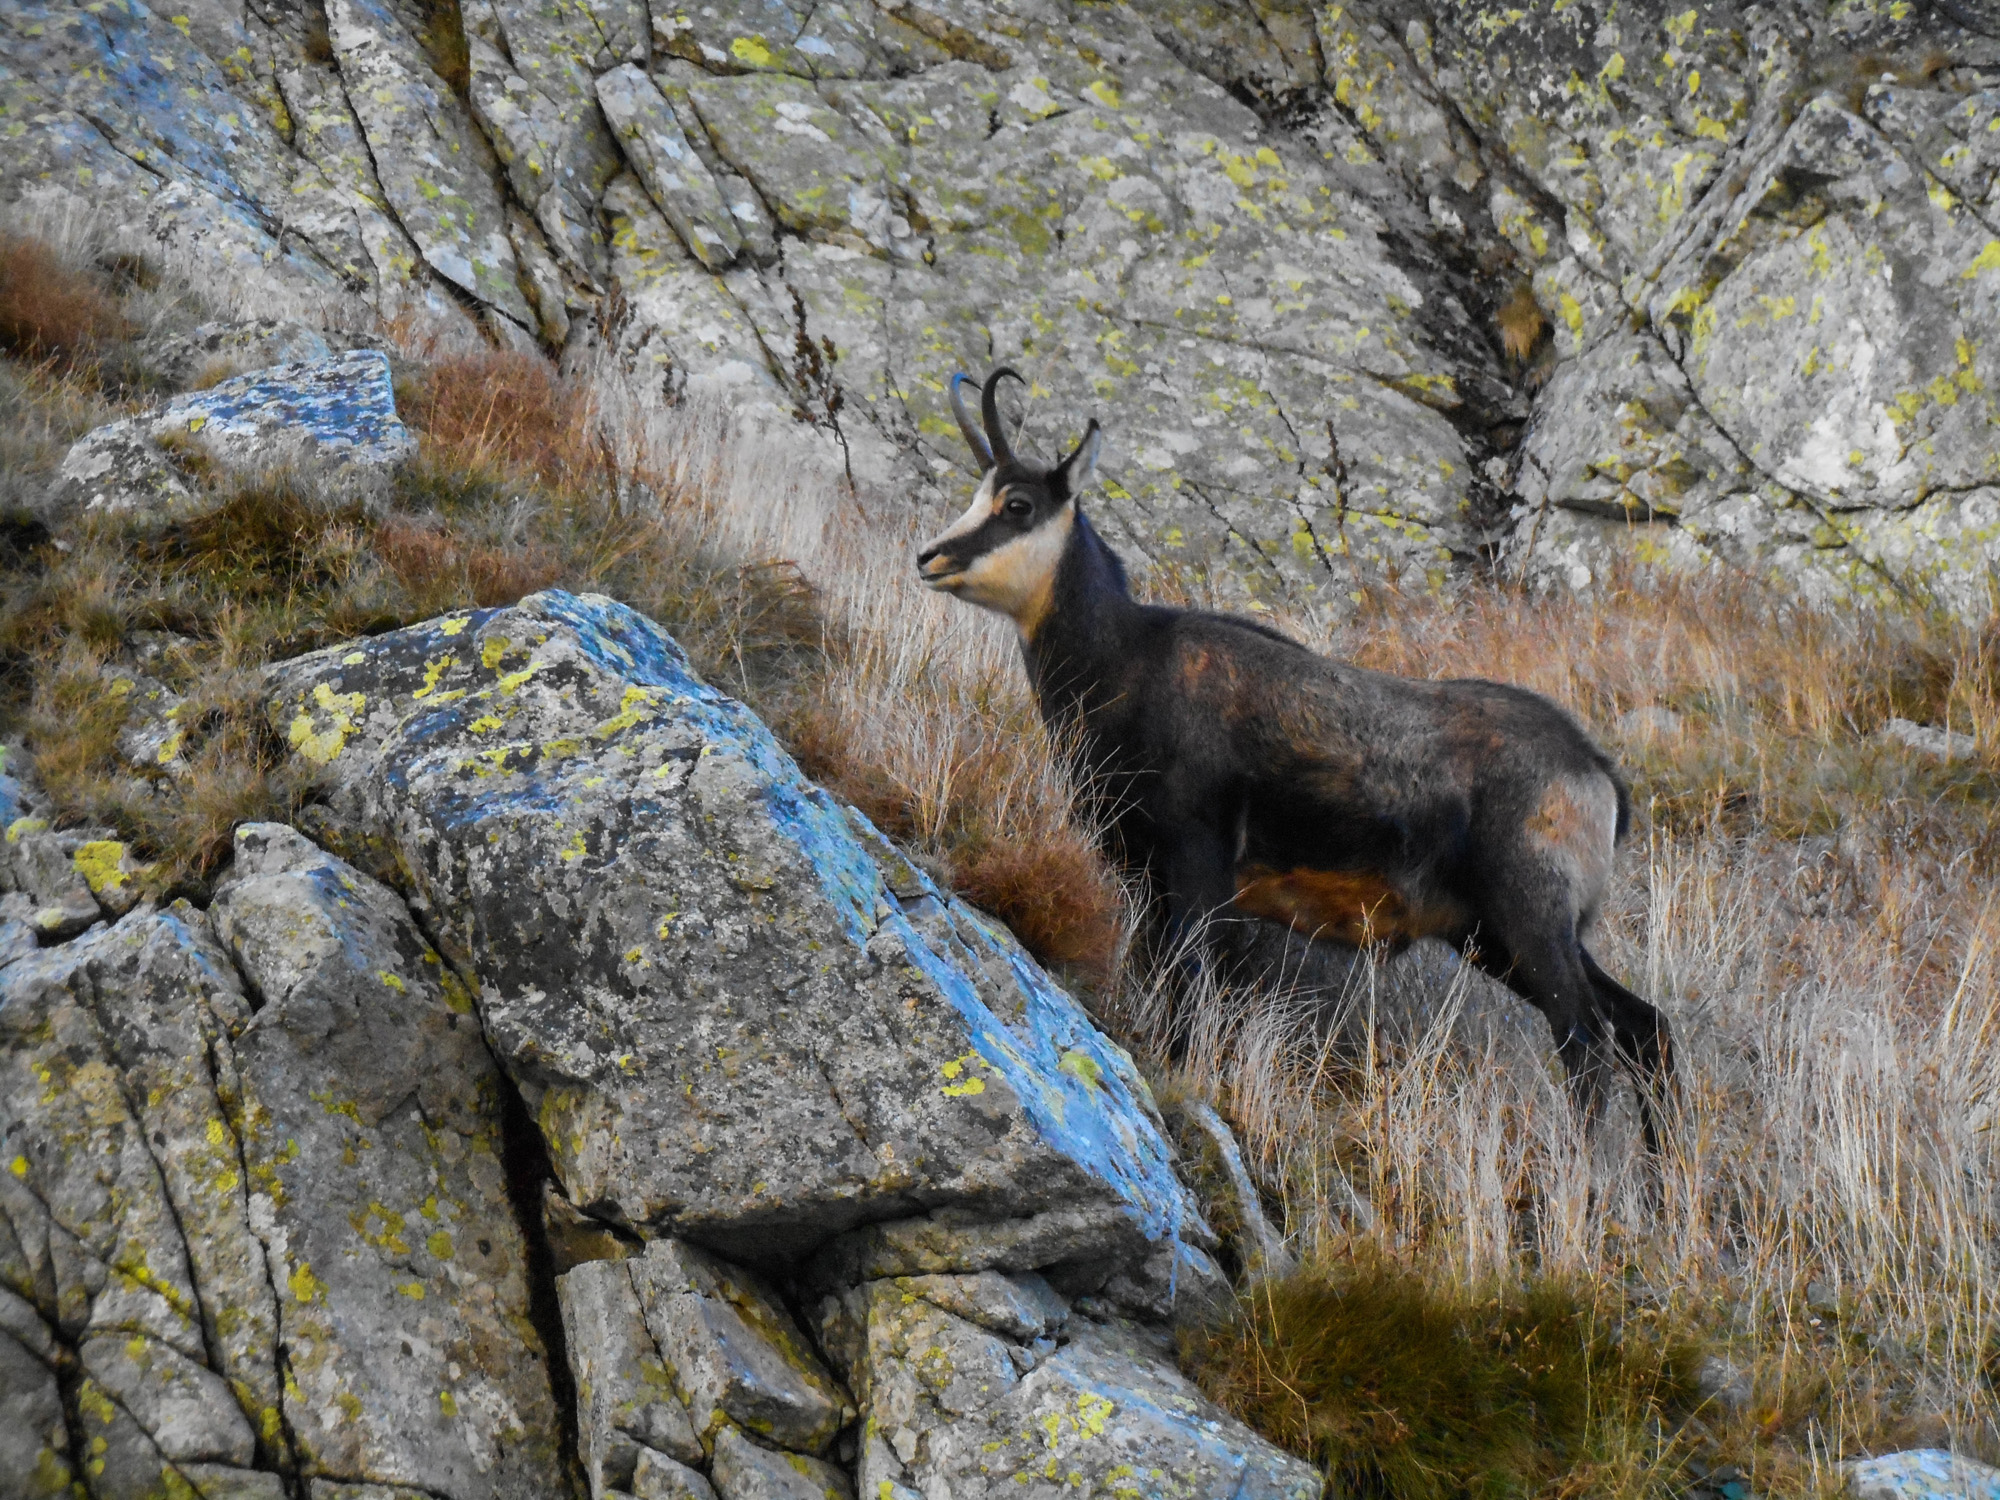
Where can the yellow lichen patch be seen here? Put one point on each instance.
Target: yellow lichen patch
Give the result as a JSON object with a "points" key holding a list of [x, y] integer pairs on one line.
{"points": [[389, 1236], [439, 1244], [20, 828], [576, 848], [1092, 1412], [1988, 259], [632, 708], [391, 981], [320, 746], [1081, 1066], [454, 625], [960, 1082], [457, 999], [306, 1288], [494, 651], [434, 671], [101, 863]]}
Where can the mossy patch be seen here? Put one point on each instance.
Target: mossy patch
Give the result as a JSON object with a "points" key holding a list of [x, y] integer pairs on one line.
{"points": [[1404, 1387]]}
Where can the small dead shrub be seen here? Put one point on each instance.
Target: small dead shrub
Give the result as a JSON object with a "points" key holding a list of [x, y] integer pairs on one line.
{"points": [[318, 44], [1058, 896], [445, 571]]}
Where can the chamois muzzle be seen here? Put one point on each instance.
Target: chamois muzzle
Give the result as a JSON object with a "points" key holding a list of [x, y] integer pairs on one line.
{"points": [[936, 566]]}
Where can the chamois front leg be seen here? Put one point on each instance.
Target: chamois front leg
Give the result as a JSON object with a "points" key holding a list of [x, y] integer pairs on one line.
{"points": [[1195, 872]]}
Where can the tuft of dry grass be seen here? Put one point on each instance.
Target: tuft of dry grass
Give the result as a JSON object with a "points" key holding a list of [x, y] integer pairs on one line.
{"points": [[1521, 322], [51, 311], [495, 410], [443, 38], [318, 43]]}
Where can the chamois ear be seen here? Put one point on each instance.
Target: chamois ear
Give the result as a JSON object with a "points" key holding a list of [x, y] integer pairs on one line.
{"points": [[1074, 472]]}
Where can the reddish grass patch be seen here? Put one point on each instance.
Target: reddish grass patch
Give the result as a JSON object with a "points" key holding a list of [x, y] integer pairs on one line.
{"points": [[1019, 858], [51, 311], [498, 409], [433, 563]]}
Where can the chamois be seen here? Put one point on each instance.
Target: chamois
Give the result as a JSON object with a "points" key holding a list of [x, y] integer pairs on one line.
{"points": [[1240, 772]]}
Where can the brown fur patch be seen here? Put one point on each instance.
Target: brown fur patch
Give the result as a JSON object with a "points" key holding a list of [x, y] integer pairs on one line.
{"points": [[1576, 822], [1560, 821], [1356, 907]]}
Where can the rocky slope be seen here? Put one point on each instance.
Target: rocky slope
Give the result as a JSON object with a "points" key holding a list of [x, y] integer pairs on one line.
{"points": [[1387, 284], [659, 1131]]}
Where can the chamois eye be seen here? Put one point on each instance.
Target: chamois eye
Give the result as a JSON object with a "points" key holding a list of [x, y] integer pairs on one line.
{"points": [[1017, 507]]}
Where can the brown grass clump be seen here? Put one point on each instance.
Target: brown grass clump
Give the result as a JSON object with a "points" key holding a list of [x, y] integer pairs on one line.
{"points": [[51, 311], [433, 561], [318, 44], [1521, 322], [494, 409]]}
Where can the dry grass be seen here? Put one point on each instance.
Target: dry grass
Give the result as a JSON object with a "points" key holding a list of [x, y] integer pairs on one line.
{"points": [[1521, 322], [52, 311], [443, 38]]}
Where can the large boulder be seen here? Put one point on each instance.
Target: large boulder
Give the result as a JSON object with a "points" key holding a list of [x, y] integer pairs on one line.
{"points": [[336, 415], [739, 1016]]}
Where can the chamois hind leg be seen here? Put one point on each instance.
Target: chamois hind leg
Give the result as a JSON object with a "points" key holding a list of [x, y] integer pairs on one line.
{"points": [[1642, 1036], [1542, 962], [1640, 1030]]}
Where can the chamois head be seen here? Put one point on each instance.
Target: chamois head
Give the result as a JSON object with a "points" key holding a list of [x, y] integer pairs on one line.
{"points": [[1002, 554]]}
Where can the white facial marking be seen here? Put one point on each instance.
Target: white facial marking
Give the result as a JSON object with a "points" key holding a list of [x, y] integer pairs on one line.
{"points": [[975, 516]]}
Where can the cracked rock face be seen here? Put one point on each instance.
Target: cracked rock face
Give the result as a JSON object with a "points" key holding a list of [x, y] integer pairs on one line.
{"points": [[252, 1222], [1382, 285], [737, 1014], [957, 1399]]}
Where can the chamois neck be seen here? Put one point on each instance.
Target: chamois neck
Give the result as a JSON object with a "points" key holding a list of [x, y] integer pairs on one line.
{"points": [[1082, 632]]}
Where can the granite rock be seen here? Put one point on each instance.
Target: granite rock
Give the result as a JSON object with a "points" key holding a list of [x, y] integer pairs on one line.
{"points": [[737, 1014], [337, 416]]}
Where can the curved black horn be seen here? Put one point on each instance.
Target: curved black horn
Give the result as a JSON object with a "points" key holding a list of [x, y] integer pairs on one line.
{"points": [[989, 408], [966, 425]]}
